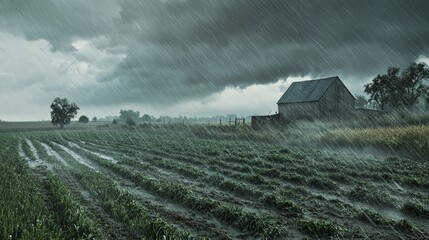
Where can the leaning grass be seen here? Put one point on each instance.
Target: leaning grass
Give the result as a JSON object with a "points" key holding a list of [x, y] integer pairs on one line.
{"points": [[23, 213], [410, 137]]}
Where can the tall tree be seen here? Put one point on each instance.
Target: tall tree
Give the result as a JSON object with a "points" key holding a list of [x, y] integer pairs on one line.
{"points": [[62, 111], [399, 89], [129, 114], [360, 101], [146, 118], [412, 84]]}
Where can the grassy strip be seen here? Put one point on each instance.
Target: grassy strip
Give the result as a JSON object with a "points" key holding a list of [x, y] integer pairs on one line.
{"points": [[41, 151], [23, 213], [320, 229], [410, 137], [71, 216], [73, 219], [120, 203], [27, 150]]}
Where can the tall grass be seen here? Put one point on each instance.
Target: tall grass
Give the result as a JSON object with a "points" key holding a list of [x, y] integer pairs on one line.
{"points": [[409, 137], [23, 213]]}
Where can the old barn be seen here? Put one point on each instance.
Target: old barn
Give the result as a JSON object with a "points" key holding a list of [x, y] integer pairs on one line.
{"points": [[317, 99]]}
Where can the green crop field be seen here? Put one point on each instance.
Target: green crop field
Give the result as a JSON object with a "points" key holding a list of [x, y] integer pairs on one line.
{"points": [[103, 183]]}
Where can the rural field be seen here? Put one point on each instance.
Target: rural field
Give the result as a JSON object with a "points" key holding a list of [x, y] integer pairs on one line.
{"points": [[159, 183]]}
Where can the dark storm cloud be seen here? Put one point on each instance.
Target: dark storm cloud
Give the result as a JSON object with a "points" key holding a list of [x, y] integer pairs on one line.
{"points": [[198, 47], [58, 21], [186, 49]]}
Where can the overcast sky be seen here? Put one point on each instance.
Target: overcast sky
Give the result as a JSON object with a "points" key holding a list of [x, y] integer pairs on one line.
{"points": [[195, 57]]}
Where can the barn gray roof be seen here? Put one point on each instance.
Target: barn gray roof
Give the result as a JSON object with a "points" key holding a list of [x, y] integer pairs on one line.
{"points": [[307, 91]]}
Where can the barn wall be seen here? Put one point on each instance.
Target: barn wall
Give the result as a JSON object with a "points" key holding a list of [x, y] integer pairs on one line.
{"points": [[259, 122], [307, 110], [337, 102]]}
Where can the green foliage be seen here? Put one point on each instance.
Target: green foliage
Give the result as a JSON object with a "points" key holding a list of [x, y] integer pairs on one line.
{"points": [[413, 138], [360, 101], [322, 183], [27, 150], [23, 213], [415, 209], [83, 119], [398, 89], [371, 217], [130, 122], [129, 116], [371, 195], [62, 111], [73, 218], [146, 118], [320, 229], [157, 181]]}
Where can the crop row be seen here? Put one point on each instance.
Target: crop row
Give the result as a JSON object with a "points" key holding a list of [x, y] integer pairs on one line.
{"points": [[185, 168], [23, 212], [118, 202], [253, 175], [245, 221], [239, 189], [230, 166], [299, 170]]}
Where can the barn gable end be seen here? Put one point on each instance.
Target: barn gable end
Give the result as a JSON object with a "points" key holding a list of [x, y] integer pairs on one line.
{"points": [[316, 99]]}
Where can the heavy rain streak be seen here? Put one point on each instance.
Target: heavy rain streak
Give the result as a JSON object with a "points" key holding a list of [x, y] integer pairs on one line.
{"points": [[220, 119]]}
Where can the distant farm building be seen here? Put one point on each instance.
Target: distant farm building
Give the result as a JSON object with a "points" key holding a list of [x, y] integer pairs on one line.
{"points": [[317, 99]]}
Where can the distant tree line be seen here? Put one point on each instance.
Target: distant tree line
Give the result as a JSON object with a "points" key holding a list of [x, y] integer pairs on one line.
{"points": [[131, 117]]}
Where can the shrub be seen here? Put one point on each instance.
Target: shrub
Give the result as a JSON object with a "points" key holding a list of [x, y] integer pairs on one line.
{"points": [[130, 122], [83, 119]]}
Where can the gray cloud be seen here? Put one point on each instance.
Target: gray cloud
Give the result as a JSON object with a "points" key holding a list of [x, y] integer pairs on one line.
{"points": [[200, 47], [178, 50], [58, 21]]}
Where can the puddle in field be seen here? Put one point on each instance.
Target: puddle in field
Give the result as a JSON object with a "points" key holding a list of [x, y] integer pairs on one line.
{"points": [[54, 154], [72, 144], [76, 156], [32, 163], [32, 148]]}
